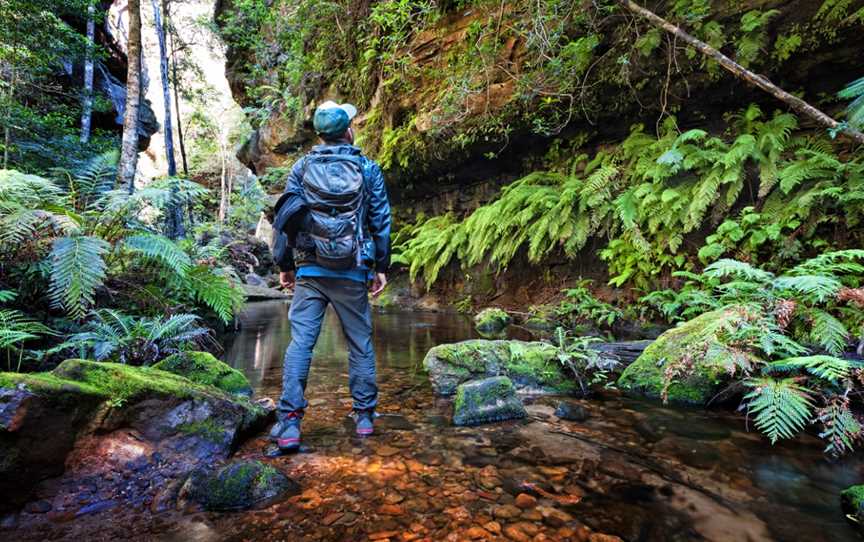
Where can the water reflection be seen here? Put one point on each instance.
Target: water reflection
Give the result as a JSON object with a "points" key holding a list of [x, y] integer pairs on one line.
{"points": [[401, 341], [791, 488]]}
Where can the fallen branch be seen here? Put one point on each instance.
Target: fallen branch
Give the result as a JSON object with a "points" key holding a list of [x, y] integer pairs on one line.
{"points": [[797, 104]]}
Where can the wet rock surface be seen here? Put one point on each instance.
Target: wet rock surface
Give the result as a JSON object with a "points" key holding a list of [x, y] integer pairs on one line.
{"points": [[487, 400], [236, 485]]}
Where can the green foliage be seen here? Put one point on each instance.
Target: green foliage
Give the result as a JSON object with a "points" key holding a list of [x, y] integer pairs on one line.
{"points": [[781, 406], [650, 193], [580, 305], [114, 336], [78, 268], [855, 110], [583, 362]]}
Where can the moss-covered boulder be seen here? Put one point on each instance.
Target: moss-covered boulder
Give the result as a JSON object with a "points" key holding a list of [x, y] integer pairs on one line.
{"points": [[487, 400], [237, 485], [204, 368], [689, 363], [79, 407], [491, 321], [533, 367]]}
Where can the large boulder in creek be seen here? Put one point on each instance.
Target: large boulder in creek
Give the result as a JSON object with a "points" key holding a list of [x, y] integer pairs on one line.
{"points": [[204, 368], [491, 321], [690, 363], [92, 417], [487, 400], [237, 485], [533, 367]]}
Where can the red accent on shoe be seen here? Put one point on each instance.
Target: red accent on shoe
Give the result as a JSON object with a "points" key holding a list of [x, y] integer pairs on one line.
{"points": [[365, 431], [286, 442]]}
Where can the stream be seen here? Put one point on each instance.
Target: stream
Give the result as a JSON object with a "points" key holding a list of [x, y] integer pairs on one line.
{"points": [[634, 469]]}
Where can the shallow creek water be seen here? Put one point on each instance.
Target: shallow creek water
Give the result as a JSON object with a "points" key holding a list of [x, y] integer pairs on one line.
{"points": [[634, 469]]}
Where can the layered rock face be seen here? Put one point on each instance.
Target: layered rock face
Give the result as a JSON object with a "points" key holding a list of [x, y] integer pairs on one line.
{"points": [[463, 93]]}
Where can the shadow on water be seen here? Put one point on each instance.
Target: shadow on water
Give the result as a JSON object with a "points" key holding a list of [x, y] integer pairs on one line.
{"points": [[644, 472]]}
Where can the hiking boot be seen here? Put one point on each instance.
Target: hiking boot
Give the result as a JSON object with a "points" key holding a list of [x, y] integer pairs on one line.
{"points": [[365, 422], [286, 432]]}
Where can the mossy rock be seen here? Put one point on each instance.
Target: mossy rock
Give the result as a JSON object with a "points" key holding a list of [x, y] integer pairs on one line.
{"points": [[695, 350], [491, 321], [541, 324], [531, 366], [75, 379], [237, 485], [204, 368], [487, 400]]}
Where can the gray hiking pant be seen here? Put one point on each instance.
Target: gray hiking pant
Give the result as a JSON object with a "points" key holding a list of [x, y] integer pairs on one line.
{"points": [[349, 299]]}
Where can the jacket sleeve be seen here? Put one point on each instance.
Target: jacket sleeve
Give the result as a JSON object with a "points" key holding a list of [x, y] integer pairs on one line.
{"points": [[379, 217], [283, 254]]}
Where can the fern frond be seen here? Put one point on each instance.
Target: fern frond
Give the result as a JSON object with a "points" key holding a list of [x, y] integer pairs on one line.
{"points": [[740, 270], [161, 249], [782, 407], [216, 291], [814, 287], [828, 368], [77, 269]]}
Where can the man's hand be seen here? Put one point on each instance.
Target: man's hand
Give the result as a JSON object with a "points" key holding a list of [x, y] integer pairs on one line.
{"points": [[286, 279], [378, 284]]}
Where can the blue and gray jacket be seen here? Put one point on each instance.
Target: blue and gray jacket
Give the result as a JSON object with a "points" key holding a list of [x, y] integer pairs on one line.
{"points": [[292, 247]]}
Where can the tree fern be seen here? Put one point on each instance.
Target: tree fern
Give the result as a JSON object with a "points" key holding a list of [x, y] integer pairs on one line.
{"points": [[77, 269], [782, 407]]}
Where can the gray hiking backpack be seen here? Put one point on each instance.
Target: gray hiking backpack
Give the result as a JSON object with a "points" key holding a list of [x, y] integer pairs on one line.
{"points": [[334, 189]]}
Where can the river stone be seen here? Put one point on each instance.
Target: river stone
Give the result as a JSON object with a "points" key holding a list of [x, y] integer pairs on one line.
{"points": [[204, 368], [697, 349], [571, 411], [491, 321], [533, 367], [237, 485], [488, 400]]}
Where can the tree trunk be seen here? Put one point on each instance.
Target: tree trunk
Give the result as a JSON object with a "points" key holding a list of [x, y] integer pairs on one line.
{"points": [[87, 102], [796, 104], [174, 219], [129, 145], [175, 87], [223, 185]]}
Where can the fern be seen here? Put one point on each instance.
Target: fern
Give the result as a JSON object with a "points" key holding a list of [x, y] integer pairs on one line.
{"points": [[78, 268], [827, 331], [828, 368], [781, 407], [214, 290], [732, 268], [855, 110], [841, 428], [161, 249]]}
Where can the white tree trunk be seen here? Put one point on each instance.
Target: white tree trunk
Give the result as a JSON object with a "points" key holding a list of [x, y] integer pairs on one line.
{"points": [[87, 102]]}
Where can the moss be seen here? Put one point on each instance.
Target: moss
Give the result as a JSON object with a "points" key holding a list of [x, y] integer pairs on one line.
{"points": [[694, 350], [853, 496], [204, 368], [207, 429], [114, 382], [538, 362], [491, 320], [487, 400]]}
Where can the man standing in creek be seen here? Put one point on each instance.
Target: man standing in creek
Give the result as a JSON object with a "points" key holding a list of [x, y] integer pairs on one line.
{"points": [[333, 241]]}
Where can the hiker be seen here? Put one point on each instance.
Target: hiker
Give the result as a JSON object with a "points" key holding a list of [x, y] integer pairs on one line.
{"points": [[333, 228]]}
